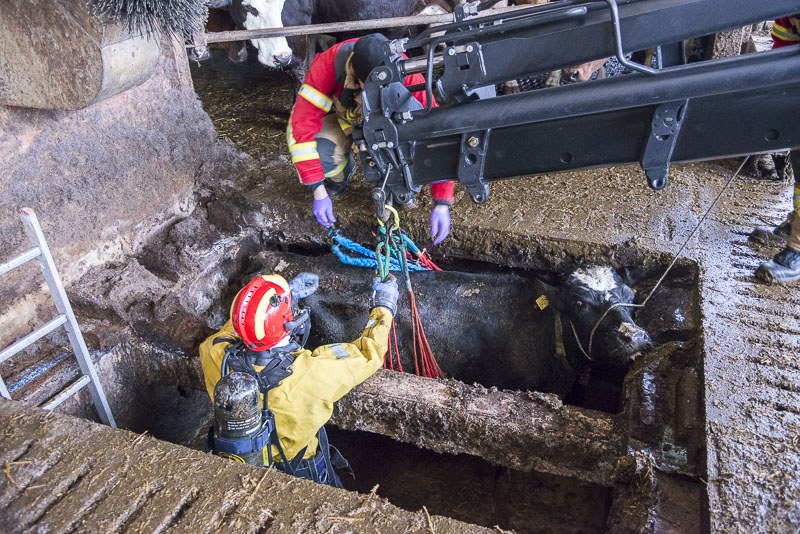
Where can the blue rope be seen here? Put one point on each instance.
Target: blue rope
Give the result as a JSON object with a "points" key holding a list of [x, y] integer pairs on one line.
{"points": [[340, 242], [355, 247]]}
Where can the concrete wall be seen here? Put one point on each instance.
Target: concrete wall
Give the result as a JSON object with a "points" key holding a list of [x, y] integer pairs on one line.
{"points": [[101, 179]]}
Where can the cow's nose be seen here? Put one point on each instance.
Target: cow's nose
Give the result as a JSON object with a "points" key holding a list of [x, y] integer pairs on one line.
{"points": [[283, 60], [637, 338]]}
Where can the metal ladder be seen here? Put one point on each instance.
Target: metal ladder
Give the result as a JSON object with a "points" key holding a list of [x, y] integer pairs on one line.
{"points": [[65, 318]]}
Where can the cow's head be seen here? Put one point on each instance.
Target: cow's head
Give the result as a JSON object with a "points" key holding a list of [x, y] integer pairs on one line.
{"points": [[273, 52], [608, 336]]}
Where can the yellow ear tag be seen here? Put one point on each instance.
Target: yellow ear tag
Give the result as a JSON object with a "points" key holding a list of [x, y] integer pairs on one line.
{"points": [[542, 302]]}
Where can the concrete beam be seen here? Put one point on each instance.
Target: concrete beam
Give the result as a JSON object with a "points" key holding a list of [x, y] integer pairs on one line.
{"points": [[521, 430]]}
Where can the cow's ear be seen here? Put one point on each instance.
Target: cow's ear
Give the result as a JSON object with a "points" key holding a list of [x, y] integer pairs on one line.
{"points": [[548, 296], [631, 275]]}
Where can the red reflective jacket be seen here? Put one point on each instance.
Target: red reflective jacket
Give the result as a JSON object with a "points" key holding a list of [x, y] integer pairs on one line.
{"points": [[785, 31], [315, 100]]}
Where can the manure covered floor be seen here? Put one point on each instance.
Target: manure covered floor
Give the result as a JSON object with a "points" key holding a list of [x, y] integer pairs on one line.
{"points": [[135, 483], [750, 331]]}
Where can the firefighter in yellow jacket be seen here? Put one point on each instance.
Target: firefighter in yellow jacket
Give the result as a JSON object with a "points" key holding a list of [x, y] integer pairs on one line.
{"points": [[261, 345]]}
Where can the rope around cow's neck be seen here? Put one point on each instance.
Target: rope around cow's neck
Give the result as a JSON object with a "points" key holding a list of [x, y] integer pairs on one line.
{"points": [[666, 271]]}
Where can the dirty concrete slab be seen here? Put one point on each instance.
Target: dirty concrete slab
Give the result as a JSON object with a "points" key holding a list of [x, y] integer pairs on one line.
{"points": [[523, 426], [63, 474]]}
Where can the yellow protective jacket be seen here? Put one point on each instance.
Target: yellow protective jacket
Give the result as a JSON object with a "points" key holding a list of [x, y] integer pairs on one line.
{"points": [[303, 401]]}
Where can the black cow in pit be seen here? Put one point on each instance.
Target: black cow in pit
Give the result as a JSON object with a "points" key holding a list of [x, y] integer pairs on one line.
{"points": [[488, 328]]}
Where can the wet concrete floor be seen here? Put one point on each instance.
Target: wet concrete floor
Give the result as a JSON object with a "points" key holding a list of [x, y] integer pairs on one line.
{"points": [[751, 331]]}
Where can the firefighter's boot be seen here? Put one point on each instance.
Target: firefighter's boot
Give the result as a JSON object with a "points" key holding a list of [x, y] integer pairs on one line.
{"points": [[337, 185], [783, 268], [776, 237]]}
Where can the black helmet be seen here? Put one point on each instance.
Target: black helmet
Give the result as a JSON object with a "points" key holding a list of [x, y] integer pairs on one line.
{"points": [[368, 54]]}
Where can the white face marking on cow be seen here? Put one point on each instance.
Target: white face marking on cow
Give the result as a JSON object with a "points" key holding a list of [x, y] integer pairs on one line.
{"points": [[602, 279], [269, 16]]}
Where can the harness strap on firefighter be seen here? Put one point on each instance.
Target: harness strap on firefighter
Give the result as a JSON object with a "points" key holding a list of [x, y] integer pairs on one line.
{"points": [[320, 468], [276, 362]]}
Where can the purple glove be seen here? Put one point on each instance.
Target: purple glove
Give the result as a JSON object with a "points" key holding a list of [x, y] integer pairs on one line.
{"points": [[323, 211], [440, 223]]}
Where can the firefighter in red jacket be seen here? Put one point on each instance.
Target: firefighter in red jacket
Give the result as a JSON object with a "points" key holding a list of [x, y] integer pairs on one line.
{"points": [[785, 265], [319, 134]]}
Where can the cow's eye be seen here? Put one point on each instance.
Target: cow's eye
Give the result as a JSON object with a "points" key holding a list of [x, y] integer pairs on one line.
{"points": [[579, 304]]}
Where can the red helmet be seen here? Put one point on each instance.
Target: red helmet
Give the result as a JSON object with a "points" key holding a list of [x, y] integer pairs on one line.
{"points": [[260, 311]]}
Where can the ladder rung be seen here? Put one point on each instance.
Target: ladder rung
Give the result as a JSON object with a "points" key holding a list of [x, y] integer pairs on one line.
{"points": [[31, 338], [67, 393], [4, 390], [20, 260]]}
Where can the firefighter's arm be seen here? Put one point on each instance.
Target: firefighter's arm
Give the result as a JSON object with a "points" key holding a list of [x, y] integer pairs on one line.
{"points": [[211, 355], [303, 401], [442, 192], [355, 362], [785, 32], [312, 103], [348, 364]]}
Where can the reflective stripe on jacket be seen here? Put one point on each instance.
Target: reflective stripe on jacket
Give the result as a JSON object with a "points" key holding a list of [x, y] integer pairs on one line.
{"points": [[303, 401], [786, 31]]}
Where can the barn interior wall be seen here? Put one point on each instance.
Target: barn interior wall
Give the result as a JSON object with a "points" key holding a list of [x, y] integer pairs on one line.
{"points": [[101, 179]]}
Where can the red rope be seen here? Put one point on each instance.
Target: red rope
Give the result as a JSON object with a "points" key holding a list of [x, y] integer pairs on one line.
{"points": [[423, 355], [425, 363], [396, 349], [393, 353], [424, 260]]}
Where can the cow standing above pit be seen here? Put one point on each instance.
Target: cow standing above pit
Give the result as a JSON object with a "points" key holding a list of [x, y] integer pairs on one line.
{"points": [[290, 53]]}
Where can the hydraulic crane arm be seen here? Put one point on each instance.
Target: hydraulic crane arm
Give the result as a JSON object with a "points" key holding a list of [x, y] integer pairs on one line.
{"points": [[706, 110]]}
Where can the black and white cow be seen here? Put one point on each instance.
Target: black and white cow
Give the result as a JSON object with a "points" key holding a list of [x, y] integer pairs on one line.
{"points": [[219, 20], [599, 328], [291, 53]]}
